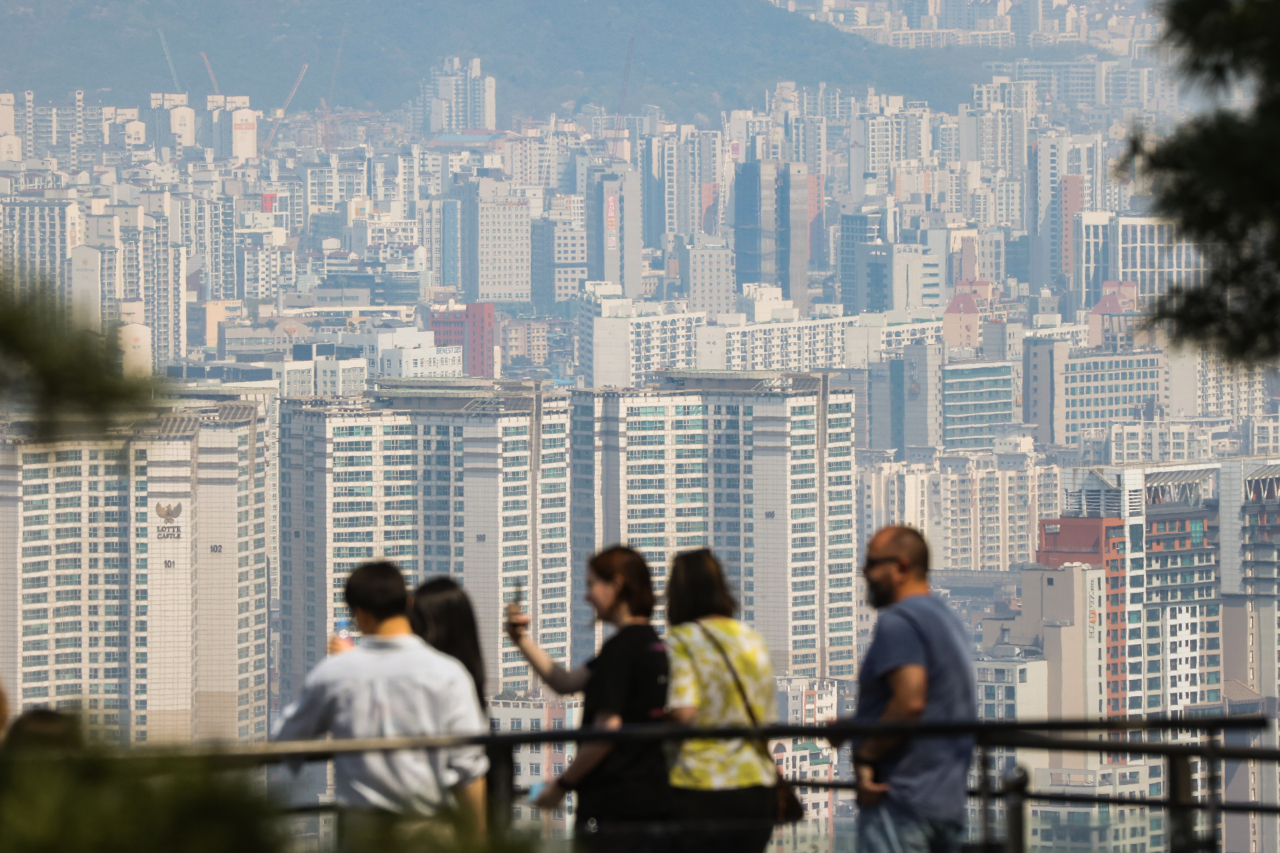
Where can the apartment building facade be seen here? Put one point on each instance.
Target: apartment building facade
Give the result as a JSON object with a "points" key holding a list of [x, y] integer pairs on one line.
{"points": [[122, 551], [757, 467], [441, 480]]}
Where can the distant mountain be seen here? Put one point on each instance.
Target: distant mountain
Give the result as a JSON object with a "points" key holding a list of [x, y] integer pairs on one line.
{"points": [[692, 57]]}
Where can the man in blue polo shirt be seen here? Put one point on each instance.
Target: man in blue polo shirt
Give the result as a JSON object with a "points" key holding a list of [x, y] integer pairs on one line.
{"points": [[911, 790]]}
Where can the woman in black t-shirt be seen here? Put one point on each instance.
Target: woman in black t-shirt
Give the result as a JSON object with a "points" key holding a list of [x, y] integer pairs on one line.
{"points": [[620, 787]]}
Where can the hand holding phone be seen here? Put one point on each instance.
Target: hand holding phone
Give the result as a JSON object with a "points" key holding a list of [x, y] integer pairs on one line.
{"points": [[517, 620]]}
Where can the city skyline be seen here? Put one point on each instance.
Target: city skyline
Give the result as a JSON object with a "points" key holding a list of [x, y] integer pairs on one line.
{"points": [[486, 342]]}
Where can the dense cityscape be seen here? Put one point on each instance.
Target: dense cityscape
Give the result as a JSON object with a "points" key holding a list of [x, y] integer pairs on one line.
{"points": [[487, 346]]}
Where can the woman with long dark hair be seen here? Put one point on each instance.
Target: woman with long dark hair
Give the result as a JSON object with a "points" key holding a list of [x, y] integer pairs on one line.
{"points": [[622, 788], [441, 614], [720, 676]]}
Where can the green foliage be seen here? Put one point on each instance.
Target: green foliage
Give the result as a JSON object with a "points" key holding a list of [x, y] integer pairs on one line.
{"points": [[67, 376], [1218, 177], [98, 804]]}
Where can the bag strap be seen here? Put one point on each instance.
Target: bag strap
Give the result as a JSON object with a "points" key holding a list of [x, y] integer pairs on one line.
{"points": [[737, 682], [762, 746]]}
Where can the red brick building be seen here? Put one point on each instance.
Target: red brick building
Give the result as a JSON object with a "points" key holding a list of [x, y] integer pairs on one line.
{"points": [[1098, 542], [473, 328]]}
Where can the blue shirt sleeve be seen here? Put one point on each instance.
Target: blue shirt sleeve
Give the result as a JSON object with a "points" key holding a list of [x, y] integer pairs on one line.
{"points": [[897, 644]]}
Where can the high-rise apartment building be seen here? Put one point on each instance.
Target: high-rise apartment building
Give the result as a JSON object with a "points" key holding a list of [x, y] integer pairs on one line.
{"points": [[495, 242], [1249, 560], [440, 226], [1066, 390], [456, 97], [558, 263], [1204, 384], [471, 327], [691, 166], [615, 229], [122, 550], [37, 237], [758, 467], [623, 343], [1067, 174], [904, 398], [264, 270], [891, 277], [132, 268], [995, 136], [1158, 440], [205, 225], [707, 276], [468, 480], [773, 337], [771, 228], [1163, 626], [977, 404], [978, 509]]}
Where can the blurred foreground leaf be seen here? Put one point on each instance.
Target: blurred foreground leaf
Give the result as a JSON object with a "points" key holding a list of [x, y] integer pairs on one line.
{"points": [[1217, 177], [97, 804], [67, 377]]}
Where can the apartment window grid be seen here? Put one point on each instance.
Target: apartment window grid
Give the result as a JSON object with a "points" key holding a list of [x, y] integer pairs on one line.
{"points": [[1099, 390], [64, 564]]}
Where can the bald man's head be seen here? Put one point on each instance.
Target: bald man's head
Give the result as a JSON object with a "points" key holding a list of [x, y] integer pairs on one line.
{"points": [[905, 543]]}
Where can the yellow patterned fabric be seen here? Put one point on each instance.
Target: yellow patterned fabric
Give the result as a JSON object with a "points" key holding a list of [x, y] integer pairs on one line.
{"points": [[700, 679]]}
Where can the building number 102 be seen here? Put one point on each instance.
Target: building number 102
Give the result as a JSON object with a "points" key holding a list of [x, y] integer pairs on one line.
{"points": [[215, 549]]}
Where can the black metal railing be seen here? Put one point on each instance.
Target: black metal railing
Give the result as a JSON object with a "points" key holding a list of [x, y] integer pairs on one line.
{"points": [[1013, 788]]}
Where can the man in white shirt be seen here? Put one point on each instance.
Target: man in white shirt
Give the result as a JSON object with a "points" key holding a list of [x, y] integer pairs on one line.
{"points": [[392, 684]]}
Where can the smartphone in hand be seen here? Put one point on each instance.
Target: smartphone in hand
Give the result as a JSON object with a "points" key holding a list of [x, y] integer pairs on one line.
{"points": [[516, 607]]}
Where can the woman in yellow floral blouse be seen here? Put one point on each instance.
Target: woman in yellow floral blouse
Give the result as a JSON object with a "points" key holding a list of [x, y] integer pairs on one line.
{"points": [[729, 783]]}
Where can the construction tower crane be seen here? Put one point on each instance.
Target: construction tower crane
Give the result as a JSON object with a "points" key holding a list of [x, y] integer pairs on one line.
{"points": [[333, 78], [177, 87], [276, 127], [622, 99], [212, 78]]}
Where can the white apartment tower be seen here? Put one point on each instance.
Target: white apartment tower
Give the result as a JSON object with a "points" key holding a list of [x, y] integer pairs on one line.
{"points": [[36, 240], [466, 479], [457, 97], [622, 343], [757, 467], [496, 243], [125, 552], [979, 510]]}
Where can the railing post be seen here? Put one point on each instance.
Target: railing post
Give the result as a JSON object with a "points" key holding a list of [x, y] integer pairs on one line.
{"points": [[1181, 809], [1015, 811], [984, 793], [1217, 788], [500, 788]]}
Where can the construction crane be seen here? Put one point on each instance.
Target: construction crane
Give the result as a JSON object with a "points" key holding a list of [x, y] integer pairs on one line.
{"points": [[333, 78], [325, 128], [618, 124], [213, 79], [177, 87], [285, 108], [326, 121]]}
